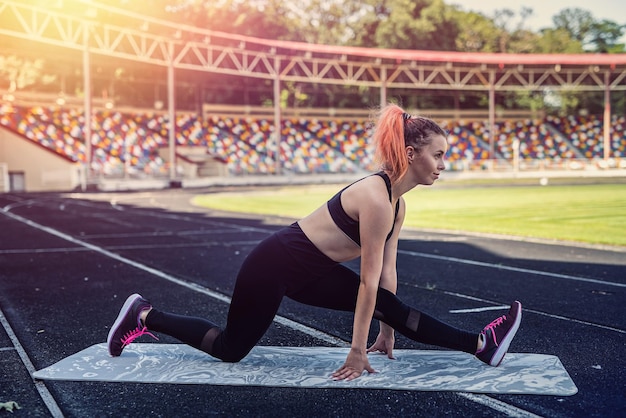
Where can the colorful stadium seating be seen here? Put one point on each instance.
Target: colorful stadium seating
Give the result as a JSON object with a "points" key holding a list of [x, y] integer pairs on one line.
{"points": [[125, 142]]}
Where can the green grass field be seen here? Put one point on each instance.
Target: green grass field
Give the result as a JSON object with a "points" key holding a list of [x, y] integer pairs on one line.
{"points": [[593, 214]]}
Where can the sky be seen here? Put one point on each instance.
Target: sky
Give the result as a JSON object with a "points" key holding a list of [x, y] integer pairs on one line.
{"points": [[543, 10]]}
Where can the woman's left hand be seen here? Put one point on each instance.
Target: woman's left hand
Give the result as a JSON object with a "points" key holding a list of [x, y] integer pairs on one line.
{"points": [[384, 344], [355, 364]]}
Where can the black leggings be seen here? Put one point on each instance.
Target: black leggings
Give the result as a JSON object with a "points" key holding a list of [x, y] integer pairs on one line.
{"points": [[287, 264]]}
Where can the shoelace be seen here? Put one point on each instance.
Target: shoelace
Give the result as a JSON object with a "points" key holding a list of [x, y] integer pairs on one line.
{"points": [[492, 326], [130, 336]]}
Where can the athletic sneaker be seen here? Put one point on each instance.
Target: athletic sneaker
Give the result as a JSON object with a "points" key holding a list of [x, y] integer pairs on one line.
{"points": [[497, 336], [128, 326]]}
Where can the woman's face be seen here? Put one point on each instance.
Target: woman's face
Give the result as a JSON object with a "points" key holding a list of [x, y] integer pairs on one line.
{"points": [[427, 165]]}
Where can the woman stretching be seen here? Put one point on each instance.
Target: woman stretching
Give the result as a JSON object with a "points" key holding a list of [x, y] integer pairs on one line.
{"points": [[303, 262]]}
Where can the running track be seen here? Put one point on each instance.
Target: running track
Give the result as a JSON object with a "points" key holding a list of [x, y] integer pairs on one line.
{"points": [[67, 262]]}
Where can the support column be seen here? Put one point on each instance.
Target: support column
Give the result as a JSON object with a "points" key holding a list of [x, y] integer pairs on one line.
{"points": [[87, 103], [492, 115], [383, 87], [171, 112], [277, 116], [607, 115]]}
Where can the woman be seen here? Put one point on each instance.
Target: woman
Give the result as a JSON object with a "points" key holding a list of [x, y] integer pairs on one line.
{"points": [[303, 262]]}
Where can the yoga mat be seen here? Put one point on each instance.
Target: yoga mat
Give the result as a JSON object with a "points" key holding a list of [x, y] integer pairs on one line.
{"points": [[311, 367]]}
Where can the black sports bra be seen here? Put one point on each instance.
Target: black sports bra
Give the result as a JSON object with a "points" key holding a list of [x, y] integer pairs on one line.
{"points": [[349, 226]]}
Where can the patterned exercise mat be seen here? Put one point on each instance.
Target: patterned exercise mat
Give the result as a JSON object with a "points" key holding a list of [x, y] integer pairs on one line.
{"points": [[310, 367]]}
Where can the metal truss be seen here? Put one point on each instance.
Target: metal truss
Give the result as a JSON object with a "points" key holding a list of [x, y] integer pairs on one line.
{"points": [[153, 41]]}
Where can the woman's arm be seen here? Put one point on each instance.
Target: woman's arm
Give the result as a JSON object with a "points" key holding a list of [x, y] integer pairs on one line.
{"points": [[389, 281], [375, 219], [389, 277]]}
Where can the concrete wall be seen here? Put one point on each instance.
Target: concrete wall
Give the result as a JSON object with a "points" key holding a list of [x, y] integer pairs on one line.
{"points": [[4, 178], [42, 169], [195, 162]]}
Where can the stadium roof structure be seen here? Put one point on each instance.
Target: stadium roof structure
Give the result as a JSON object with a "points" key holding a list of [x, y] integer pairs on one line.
{"points": [[96, 28], [86, 25]]}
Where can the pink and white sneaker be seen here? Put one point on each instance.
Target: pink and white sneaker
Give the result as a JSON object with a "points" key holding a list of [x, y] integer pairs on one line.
{"points": [[497, 336], [127, 327]]}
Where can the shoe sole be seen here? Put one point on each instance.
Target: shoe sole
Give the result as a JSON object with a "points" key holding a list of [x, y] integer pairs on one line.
{"points": [[506, 341], [120, 317]]}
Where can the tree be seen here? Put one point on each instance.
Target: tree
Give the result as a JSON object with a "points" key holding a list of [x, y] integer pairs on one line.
{"points": [[577, 22], [477, 33], [22, 72], [605, 36], [505, 32], [555, 41], [366, 25], [269, 19], [328, 22], [594, 35], [408, 24], [512, 35]]}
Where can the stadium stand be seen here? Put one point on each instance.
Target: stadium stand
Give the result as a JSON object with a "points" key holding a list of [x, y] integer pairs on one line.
{"points": [[130, 142], [618, 137]]}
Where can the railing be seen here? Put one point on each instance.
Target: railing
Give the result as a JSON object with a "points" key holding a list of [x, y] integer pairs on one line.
{"points": [[27, 98], [577, 165], [326, 113]]}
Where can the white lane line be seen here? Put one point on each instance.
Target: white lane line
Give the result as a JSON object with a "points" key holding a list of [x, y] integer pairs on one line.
{"points": [[510, 268], [496, 405], [42, 250], [161, 234], [132, 247], [508, 410], [483, 309], [194, 286], [549, 315], [45, 395], [578, 321]]}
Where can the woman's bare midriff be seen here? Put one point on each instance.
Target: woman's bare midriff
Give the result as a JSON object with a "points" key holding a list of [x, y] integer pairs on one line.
{"points": [[320, 228]]}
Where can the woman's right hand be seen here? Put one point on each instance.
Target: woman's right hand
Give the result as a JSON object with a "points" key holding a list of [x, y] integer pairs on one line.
{"points": [[355, 364]]}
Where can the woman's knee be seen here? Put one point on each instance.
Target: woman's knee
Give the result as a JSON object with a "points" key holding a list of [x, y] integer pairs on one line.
{"points": [[389, 307], [229, 349], [233, 356]]}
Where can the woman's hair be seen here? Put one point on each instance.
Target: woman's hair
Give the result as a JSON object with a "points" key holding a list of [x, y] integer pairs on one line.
{"points": [[396, 130]]}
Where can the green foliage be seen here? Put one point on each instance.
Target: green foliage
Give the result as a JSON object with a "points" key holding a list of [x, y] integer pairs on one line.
{"points": [[399, 24], [21, 72], [270, 19], [330, 22], [409, 24], [605, 35], [577, 22], [594, 35], [292, 95], [477, 32], [525, 99], [553, 41]]}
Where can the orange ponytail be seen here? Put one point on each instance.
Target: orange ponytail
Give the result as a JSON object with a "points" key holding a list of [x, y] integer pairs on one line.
{"points": [[393, 133], [389, 141]]}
